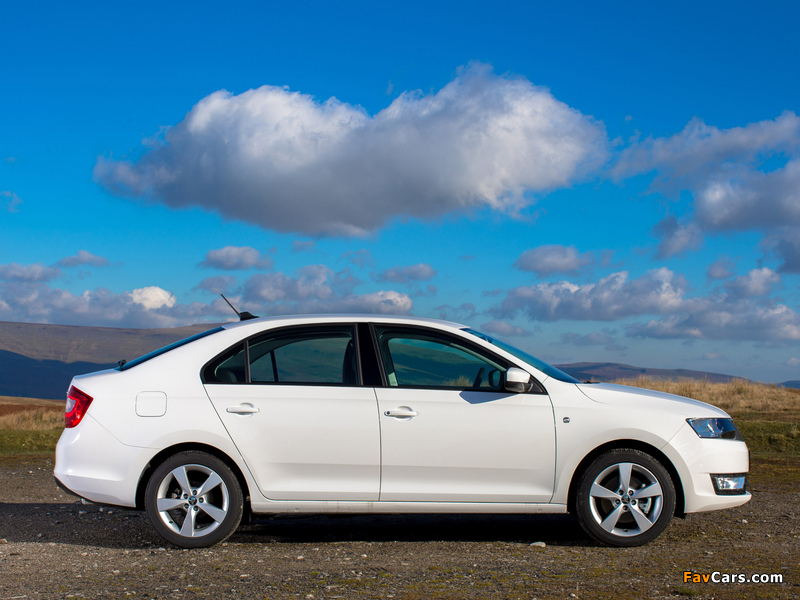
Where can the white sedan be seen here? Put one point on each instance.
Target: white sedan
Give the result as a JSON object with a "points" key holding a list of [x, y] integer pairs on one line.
{"points": [[373, 414]]}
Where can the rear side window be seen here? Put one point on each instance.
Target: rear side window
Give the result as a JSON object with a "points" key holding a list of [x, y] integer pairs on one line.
{"points": [[318, 355]]}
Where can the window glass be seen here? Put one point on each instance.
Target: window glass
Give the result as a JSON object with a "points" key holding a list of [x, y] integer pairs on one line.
{"points": [[544, 367], [228, 368], [414, 358], [304, 356]]}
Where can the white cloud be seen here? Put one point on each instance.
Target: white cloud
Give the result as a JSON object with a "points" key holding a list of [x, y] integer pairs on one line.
{"points": [[677, 238], [743, 313], [317, 289], [152, 297], [286, 162], [418, 272], [734, 184], [595, 338], [722, 268], [744, 199], [360, 258], [83, 257], [217, 284], [503, 329], [303, 246], [720, 319], [9, 201], [758, 282], [701, 149], [546, 260], [39, 303], [28, 273], [312, 282], [786, 243], [793, 362], [233, 258], [614, 297]]}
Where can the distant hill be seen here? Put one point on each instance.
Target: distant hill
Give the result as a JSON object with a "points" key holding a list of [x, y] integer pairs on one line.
{"points": [[791, 384], [40, 360], [605, 372]]}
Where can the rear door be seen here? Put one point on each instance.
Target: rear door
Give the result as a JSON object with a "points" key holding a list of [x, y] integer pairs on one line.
{"points": [[292, 402]]}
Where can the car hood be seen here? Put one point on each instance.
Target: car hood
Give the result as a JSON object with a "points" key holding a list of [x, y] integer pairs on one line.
{"points": [[623, 395]]}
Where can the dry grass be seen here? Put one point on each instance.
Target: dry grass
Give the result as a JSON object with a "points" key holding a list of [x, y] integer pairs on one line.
{"points": [[738, 396], [37, 419]]}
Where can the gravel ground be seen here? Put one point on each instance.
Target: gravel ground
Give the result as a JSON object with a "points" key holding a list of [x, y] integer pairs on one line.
{"points": [[54, 547]]}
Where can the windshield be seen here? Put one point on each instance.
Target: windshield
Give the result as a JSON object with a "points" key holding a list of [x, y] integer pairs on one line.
{"points": [[137, 361], [542, 366]]}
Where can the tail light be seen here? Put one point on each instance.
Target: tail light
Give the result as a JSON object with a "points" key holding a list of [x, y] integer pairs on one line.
{"points": [[77, 404]]}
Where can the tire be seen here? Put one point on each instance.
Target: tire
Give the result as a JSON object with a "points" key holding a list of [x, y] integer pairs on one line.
{"points": [[625, 498], [194, 500]]}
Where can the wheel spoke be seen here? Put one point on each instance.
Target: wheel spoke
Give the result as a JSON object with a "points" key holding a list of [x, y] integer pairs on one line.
{"points": [[625, 476], [611, 520], [165, 504], [187, 529], [598, 491], [182, 478], [212, 511], [209, 484], [641, 519], [654, 489]]}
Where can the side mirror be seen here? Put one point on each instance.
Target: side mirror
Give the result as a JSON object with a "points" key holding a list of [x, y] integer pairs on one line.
{"points": [[517, 381]]}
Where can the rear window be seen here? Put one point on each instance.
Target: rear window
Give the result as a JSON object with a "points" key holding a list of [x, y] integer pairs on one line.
{"points": [[165, 349]]}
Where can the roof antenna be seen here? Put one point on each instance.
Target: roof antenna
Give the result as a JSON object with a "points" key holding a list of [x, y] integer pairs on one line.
{"points": [[243, 316]]}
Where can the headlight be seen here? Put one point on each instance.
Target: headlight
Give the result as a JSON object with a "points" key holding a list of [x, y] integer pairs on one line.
{"points": [[715, 428]]}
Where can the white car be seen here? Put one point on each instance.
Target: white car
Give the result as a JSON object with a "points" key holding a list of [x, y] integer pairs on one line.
{"points": [[374, 414]]}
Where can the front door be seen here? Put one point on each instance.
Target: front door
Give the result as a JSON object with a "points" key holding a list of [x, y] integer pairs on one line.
{"points": [[450, 433]]}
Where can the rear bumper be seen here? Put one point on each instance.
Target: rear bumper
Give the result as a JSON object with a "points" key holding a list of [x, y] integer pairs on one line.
{"points": [[93, 464]]}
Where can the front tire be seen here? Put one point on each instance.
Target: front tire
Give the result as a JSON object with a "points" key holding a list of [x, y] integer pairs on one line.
{"points": [[625, 498], [194, 500]]}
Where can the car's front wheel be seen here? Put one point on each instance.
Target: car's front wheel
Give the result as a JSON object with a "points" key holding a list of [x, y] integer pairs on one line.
{"points": [[194, 500], [625, 498]]}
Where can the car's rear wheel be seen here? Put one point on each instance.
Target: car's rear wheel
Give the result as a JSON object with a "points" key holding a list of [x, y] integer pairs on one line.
{"points": [[625, 498], [194, 500]]}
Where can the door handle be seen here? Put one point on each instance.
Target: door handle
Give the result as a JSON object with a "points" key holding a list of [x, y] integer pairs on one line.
{"points": [[243, 409], [401, 412]]}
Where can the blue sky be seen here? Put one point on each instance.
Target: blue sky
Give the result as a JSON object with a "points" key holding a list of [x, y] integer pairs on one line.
{"points": [[590, 181]]}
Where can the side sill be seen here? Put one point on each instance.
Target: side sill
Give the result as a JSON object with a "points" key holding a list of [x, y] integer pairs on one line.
{"points": [[317, 507]]}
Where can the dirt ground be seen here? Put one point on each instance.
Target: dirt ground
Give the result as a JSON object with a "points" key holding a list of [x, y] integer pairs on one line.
{"points": [[52, 546]]}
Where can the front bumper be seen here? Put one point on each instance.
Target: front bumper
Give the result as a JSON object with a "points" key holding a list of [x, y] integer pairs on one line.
{"points": [[698, 459]]}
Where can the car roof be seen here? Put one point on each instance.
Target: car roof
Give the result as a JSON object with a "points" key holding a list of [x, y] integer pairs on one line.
{"points": [[343, 318]]}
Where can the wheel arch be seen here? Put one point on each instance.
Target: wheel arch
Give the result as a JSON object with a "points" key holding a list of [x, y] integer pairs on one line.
{"points": [[680, 502], [164, 454]]}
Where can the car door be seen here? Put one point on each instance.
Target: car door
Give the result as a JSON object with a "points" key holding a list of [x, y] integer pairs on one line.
{"points": [[450, 433], [292, 402]]}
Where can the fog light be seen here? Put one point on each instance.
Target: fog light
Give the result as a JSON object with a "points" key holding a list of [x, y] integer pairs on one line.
{"points": [[731, 484]]}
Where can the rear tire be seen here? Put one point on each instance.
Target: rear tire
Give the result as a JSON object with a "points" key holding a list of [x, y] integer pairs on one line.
{"points": [[194, 500], [625, 498]]}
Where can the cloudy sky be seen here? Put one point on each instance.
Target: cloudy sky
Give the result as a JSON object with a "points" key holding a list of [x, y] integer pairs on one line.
{"points": [[592, 182]]}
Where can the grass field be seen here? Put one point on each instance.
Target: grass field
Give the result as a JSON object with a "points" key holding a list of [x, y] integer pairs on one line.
{"points": [[29, 425], [768, 416]]}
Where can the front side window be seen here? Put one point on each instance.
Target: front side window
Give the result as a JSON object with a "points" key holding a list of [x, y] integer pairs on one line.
{"points": [[417, 358], [319, 355]]}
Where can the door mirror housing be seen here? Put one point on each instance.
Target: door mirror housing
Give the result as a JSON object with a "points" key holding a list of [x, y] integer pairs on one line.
{"points": [[517, 381]]}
